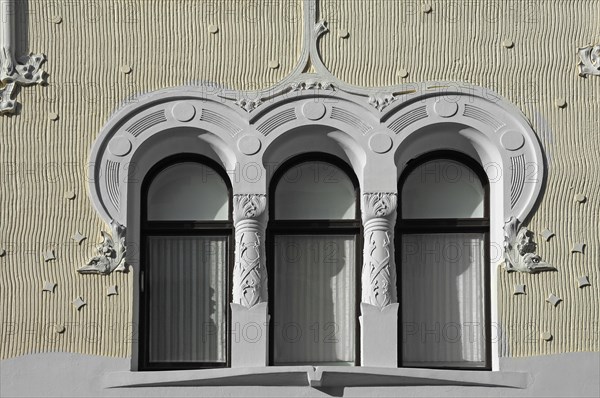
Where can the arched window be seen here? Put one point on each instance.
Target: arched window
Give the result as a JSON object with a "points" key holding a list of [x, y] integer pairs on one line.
{"points": [[314, 245], [186, 244], [442, 240]]}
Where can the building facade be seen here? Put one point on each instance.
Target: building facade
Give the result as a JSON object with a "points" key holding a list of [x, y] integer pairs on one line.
{"points": [[392, 198]]}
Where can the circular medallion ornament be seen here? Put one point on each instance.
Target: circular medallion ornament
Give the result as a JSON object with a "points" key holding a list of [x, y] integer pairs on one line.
{"points": [[119, 146], [380, 143], [512, 140], [249, 145], [445, 108], [313, 110], [183, 112]]}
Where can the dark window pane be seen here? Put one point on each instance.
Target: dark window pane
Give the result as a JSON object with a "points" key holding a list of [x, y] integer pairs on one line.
{"points": [[314, 299], [187, 298]]}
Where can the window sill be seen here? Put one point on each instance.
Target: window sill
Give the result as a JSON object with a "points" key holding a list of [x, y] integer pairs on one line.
{"points": [[319, 376]]}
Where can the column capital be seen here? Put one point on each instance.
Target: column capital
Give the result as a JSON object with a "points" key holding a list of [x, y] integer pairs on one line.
{"points": [[378, 204], [248, 206]]}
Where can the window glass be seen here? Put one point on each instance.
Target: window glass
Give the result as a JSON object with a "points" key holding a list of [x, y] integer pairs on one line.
{"points": [[442, 189], [442, 283], [313, 268], [188, 191], [315, 190], [187, 298], [315, 299]]}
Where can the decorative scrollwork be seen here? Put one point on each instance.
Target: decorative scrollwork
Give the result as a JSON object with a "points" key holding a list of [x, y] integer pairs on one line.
{"points": [[111, 253], [590, 61], [519, 250]]}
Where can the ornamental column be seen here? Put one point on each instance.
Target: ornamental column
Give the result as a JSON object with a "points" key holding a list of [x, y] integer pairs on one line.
{"points": [[379, 304], [249, 309]]}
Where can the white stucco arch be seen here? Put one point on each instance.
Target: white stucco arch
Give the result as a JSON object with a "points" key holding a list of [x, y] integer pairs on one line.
{"points": [[376, 138], [372, 141], [314, 138]]}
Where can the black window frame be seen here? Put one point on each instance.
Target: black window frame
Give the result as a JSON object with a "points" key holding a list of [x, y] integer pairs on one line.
{"points": [[313, 227], [446, 225], [182, 228]]}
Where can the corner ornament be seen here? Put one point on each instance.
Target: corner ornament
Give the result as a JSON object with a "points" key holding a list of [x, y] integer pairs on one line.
{"points": [[590, 61], [111, 253], [519, 250]]}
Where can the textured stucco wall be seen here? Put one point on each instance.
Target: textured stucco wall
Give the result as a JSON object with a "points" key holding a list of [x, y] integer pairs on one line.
{"points": [[169, 44]]}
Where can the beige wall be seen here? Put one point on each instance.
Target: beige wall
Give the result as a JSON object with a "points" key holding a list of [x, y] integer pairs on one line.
{"points": [[459, 40]]}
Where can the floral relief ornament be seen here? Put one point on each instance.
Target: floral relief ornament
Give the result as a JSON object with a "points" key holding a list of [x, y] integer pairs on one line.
{"points": [[519, 250], [248, 104], [381, 102], [249, 205], [590, 61], [111, 253], [380, 204]]}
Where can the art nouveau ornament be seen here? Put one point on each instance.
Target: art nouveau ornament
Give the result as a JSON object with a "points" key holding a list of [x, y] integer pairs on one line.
{"points": [[111, 253], [14, 72], [590, 61], [519, 249], [379, 272], [249, 272]]}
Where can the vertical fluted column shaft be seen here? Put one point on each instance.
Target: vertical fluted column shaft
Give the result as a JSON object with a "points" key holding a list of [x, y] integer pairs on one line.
{"points": [[249, 273], [379, 269]]}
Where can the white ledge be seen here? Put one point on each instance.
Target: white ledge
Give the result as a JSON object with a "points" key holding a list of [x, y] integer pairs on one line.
{"points": [[319, 376]]}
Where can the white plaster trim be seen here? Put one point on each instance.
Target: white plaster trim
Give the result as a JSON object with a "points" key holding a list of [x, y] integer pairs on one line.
{"points": [[14, 72], [318, 376], [220, 125]]}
